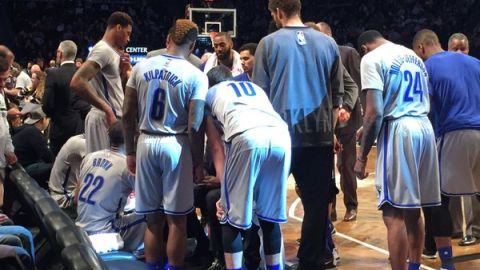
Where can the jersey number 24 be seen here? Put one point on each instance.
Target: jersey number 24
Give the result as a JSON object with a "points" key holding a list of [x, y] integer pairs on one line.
{"points": [[414, 84]]}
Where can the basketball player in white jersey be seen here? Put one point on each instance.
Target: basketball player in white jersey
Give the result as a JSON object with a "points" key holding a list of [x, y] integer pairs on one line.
{"points": [[407, 176], [257, 163], [167, 93], [105, 184], [101, 78], [65, 172]]}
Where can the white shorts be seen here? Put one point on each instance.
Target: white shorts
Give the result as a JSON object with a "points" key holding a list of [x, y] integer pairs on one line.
{"points": [[459, 159], [256, 171], [96, 131], [164, 181], [407, 174]]}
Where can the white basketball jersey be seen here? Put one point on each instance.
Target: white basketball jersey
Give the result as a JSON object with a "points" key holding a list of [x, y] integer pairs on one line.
{"points": [[105, 186], [403, 78], [66, 168], [240, 106], [165, 86]]}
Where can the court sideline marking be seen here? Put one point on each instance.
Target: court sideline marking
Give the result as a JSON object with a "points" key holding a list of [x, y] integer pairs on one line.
{"points": [[291, 214]]}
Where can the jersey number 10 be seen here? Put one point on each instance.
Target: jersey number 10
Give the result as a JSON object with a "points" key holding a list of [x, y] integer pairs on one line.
{"points": [[413, 83], [247, 92]]}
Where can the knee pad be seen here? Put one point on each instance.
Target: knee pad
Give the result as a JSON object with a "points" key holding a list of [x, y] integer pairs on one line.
{"points": [[232, 239]]}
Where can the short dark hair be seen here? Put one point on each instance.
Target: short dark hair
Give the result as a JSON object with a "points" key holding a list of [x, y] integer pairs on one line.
{"points": [[115, 134], [218, 74], [425, 36], [3, 64], [250, 47], [289, 7], [119, 17], [368, 37], [225, 35]]}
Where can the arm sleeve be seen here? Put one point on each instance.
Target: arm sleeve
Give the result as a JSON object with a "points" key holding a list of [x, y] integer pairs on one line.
{"points": [[370, 73], [336, 81], [351, 91], [199, 87], [261, 76]]}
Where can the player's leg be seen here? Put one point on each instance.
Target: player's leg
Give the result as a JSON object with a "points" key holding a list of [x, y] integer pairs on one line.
{"points": [[442, 230], [416, 236], [232, 246], [272, 244], [132, 229], [396, 236], [96, 131], [177, 240], [154, 243]]}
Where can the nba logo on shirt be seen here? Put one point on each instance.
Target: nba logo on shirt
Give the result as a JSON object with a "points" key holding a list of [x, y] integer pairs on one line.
{"points": [[301, 38]]}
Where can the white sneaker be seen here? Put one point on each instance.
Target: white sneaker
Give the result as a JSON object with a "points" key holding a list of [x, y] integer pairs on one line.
{"points": [[336, 256]]}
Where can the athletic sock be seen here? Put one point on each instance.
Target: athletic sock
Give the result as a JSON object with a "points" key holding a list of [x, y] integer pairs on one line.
{"points": [[413, 266], [158, 265], [446, 253]]}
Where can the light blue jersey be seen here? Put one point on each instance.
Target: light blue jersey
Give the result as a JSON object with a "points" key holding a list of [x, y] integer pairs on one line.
{"points": [[401, 76], [165, 86], [241, 106]]}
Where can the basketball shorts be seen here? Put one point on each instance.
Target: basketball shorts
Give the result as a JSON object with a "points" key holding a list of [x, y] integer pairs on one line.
{"points": [[459, 160], [407, 174], [164, 181], [96, 131], [256, 170]]}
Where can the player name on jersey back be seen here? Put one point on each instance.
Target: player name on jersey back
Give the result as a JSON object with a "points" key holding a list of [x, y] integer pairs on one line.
{"points": [[102, 163], [161, 74]]}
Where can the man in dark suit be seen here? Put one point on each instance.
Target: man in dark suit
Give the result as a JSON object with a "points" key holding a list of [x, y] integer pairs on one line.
{"points": [[66, 110], [346, 133]]}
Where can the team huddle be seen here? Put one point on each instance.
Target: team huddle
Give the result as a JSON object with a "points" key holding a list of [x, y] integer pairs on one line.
{"points": [[145, 138]]}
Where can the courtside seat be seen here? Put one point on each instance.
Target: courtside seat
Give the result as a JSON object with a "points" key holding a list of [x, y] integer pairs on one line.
{"points": [[117, 255], [45, 206], [82, 257], [55, 222], [69, 235]]}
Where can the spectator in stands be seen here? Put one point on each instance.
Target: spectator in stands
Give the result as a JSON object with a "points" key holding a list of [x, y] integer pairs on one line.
{"points": [[458, 42], [78, 62], [224, 55], [31, 148], [38, 87], [60, 103], [7, 154]]}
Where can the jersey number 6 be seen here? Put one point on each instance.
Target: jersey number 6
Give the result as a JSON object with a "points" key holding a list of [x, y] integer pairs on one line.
{"points": [[158, 104]]}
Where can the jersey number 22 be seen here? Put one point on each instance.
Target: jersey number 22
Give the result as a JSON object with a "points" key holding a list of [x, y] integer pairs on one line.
{"points": [[86, 193]]}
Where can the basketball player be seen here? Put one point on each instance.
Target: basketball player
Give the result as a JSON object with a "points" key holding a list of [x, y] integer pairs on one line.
{"points": [[99, 80], [103, 192], [247, 58], [257, 164], [224, 55], [397, 104], [65, 172], [454, 80], [168, 95], [299, 69]]}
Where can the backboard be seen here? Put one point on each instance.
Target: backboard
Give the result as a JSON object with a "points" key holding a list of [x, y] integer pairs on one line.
{"points": [[214, 19]]}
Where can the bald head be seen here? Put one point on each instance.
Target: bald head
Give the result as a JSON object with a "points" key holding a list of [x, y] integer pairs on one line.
{"points": [[35, 68], [325, 28], [425, 43], [458, 42]]}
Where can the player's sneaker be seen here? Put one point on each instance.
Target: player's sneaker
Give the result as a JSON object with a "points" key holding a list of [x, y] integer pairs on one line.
{"points": [[336, 256], [429, 254], [217, 265], [467, 240]]}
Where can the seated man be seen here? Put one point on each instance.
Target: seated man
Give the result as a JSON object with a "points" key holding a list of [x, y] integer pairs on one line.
{"points": [[65, 172], [257, 164], [31, 148], [103, 191]]}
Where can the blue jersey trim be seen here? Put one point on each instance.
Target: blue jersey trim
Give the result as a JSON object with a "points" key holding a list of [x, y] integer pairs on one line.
{"points": [[397, 205], [107, 96], [238, 226], [274, 220], [129, 225], [385, 155], [161, 210]]}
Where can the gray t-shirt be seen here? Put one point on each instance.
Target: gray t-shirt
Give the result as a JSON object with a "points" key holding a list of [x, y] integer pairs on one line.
{"points": [[23, 81], [107, 82]]}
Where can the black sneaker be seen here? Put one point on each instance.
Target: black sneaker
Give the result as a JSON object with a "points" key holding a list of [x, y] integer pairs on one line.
{"points": [[217, 265], [429, 254], [330, 264], [467, 240]]}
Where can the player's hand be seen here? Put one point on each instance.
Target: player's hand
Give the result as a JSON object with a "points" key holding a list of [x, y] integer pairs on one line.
{"points": [[198, 174], [220, 211], [13, 112], [125, 65], [359, 134], [110, 117], [211, 181], [343, 115], [131, 163], [360, 168], [337, 146], [11, 158]]}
